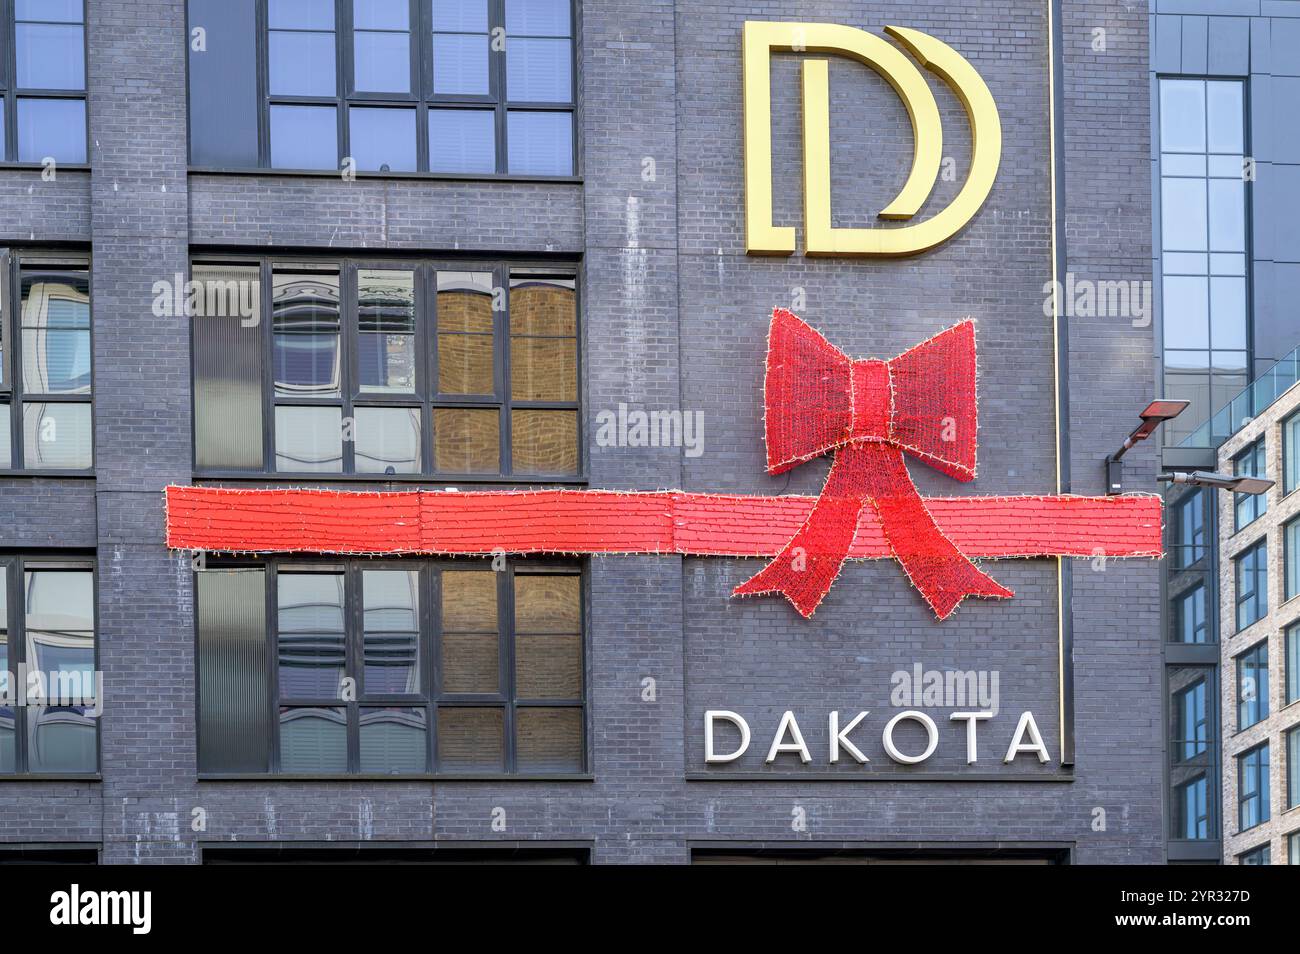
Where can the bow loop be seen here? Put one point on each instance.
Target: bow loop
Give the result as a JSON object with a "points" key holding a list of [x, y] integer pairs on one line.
{"points": [[935, 413], [801, 362]]}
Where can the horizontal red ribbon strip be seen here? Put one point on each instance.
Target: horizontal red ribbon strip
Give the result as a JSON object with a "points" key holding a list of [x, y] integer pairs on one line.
{"points": [[226, 520]]}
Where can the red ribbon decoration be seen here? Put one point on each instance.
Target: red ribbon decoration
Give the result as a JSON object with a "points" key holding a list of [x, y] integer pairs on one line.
{"points": [[869, 413]]}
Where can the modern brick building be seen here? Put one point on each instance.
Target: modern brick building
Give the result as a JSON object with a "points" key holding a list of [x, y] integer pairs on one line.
{"points": [[450, 241], [1224, 164]]}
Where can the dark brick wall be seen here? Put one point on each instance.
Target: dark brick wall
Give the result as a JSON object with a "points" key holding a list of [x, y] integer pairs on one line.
{"points": [[674, 316]]}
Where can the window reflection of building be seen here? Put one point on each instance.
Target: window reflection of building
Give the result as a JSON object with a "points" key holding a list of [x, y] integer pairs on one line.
{"points": [[1193, 753], [45, 410], [55, 729], [1203, 249], [489, 680]]}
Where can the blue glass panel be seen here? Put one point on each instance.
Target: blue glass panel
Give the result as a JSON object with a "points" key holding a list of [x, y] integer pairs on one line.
{"points": [[304, 137], [539, 71], [537, 18], [50, 56], [460, 16], [51, 129], [540, 143], [301, 14], [64, 11], [383, 137], [462, 140], [302, 64], [460, 65], [381, 15], [382, 62]]}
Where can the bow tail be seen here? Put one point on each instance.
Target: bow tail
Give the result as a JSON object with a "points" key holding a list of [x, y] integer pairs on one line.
{"points": [[807, 566], [872, 472], [942, 573]]}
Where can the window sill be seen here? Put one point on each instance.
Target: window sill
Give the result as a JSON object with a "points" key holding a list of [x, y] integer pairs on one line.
{"points": [[419, 176], [78, 474], [446, 480], [426, 777], [40, 166]]}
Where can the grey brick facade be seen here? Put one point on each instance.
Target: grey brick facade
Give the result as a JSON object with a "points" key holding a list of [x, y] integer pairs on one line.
{"points": [[674, 315]]}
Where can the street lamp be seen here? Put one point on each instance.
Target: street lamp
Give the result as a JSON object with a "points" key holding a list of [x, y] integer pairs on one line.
{"points": [[1155, 414], [1201, 478]]}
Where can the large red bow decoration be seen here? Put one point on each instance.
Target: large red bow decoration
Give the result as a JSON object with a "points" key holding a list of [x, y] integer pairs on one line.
{"points": [[869, 413]]}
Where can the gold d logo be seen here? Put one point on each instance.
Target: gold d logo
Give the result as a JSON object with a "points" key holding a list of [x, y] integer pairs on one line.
{"points": [[764, 238]]}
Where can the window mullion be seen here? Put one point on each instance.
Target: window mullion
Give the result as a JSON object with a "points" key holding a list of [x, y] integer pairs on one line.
{"points": [[354, 625]]}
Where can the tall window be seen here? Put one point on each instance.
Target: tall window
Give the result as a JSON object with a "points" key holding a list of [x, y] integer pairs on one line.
{"points": [[388, 370], [1252, 787], [1203, 244], [1252, 686], [45, 365], [1293, 848], [44, 82], [1191, 753], [1249, 463], [465, 87], [1193, 728], [1292, 640], [47, 631], [391, 668], [1291, 558], [1192, 805], [1190, 542], [1192, 622], [1293, 768], [1252, 584], [1291, 453]]}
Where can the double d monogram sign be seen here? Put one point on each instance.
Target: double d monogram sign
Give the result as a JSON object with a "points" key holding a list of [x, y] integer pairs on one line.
{"points": [[823, 239]]}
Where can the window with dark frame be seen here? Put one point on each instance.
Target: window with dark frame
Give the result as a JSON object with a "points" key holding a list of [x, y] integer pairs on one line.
{"points": [[1291, 559], [1252, 788], [45, 364], [1293, 767], [43, 99], [47, 626], [1252, 462], [1252, 584], [1291, 453], [1204, 244], [402, 668], [1252, 686], [1256, 856], [1192, 618], [1189, 526], [1291, 638], [386, 369], [1192, 753], [463, 87], [1293, 848]]}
